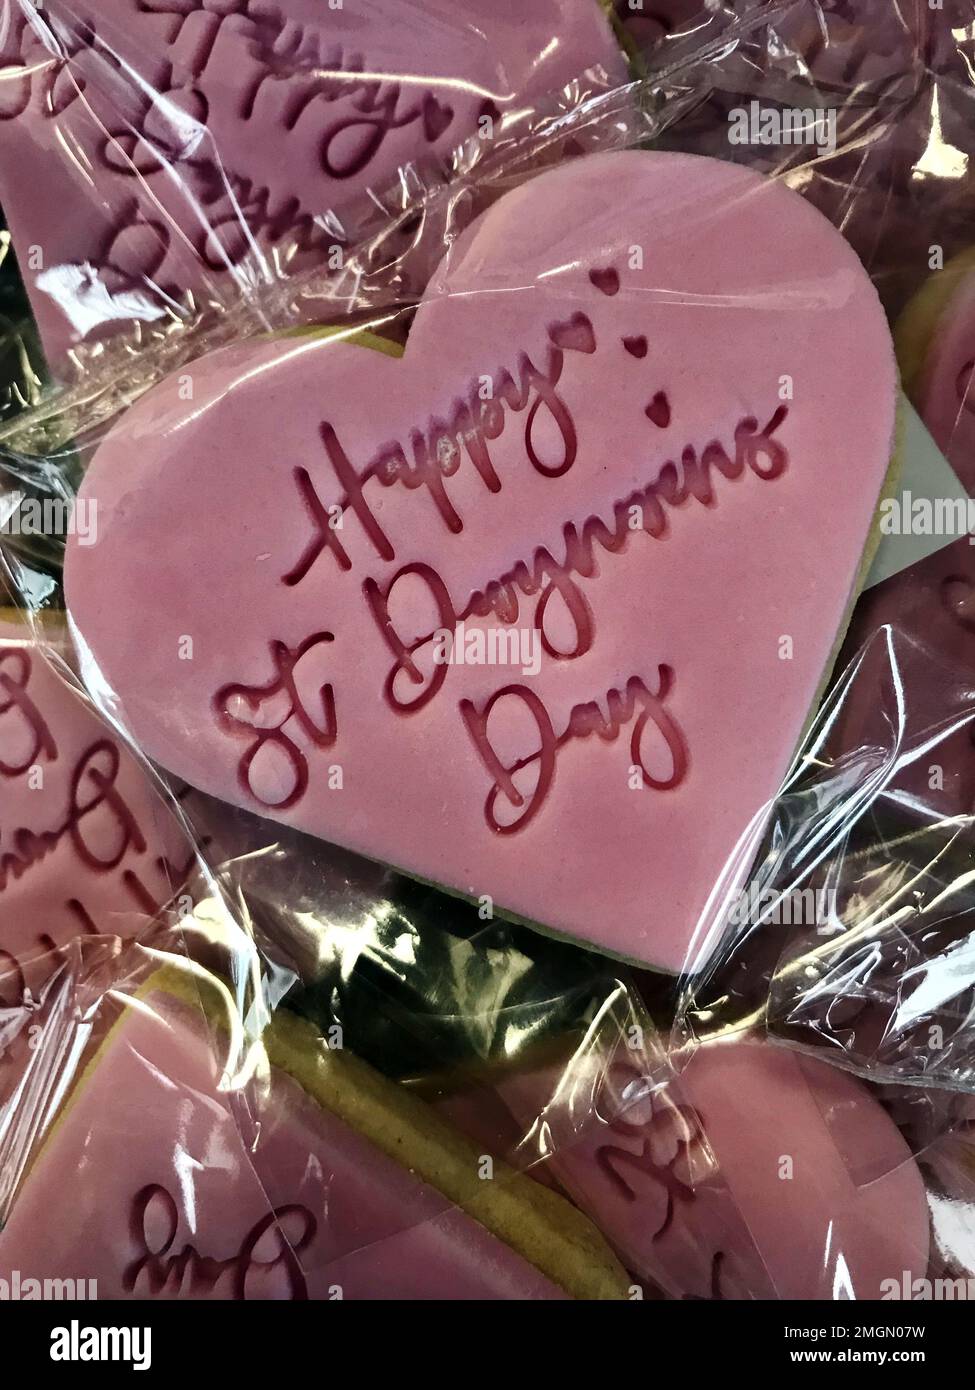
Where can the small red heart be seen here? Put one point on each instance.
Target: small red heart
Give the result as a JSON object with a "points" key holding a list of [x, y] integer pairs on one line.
{"points": [[659, 410], [636, 347], [436, 117], [574, 335], [606, 280]]}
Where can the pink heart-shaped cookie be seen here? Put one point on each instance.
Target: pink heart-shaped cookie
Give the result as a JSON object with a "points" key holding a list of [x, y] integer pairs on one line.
{"points": [[87, 844], [215, 1165], [213, 141], [705, 1199], [522, 613]]}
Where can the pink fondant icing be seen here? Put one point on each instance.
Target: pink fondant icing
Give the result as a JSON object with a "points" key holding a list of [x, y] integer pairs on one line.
{"points": [[87, 845], [692, 412], [756, 1174], [183, 1186], [156, 147]]}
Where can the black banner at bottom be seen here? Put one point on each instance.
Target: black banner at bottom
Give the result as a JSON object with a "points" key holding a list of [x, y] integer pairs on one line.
{"points": [[170, 1338]]}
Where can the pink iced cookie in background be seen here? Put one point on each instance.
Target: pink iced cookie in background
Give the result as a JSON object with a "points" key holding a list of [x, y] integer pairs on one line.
{"points": [[757, 1173], [187, 1186], [162, 148], [929, 607], [87, 845], [637, 506], [910, 707]]}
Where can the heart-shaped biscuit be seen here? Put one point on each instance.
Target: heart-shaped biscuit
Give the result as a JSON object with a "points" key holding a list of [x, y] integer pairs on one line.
{"points": [[704, 1199], [87, 844], [523, 613], [211, 142], [322, 1180]]}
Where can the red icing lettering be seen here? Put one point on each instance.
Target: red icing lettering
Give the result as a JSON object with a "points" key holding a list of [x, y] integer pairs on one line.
{"points": [[544, 576], [19, 714], [264, 713], [95, 806], [437, 454], [637, 704], [271, 1248]]}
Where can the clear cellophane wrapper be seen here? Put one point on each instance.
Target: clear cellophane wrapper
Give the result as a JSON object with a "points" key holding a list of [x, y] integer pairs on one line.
{"points": [[492, 1112]]}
